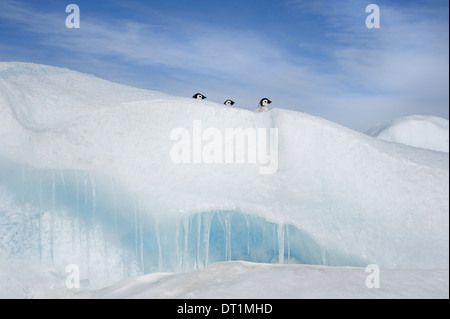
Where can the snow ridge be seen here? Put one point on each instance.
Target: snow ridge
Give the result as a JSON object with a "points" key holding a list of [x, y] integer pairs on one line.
{"points": [[429, 132]]}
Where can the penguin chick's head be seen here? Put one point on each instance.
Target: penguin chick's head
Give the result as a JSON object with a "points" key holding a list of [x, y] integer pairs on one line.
{"points": [[228, 102], [264, 102], [199, 96]]}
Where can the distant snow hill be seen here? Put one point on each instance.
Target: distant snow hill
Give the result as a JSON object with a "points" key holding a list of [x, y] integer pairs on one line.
{"points": [[429, 132], [123, 181]]}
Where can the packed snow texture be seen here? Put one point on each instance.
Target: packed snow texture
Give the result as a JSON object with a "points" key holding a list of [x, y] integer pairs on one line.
{"points": [[233, 280], [429, 132], [86, 178], [244, 280]]}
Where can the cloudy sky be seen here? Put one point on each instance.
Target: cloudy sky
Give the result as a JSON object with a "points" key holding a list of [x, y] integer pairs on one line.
{"points": [[315, 56]]}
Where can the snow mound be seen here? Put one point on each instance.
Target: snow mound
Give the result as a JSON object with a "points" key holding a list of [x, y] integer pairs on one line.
{"points": [[244, 280], [88, 177], [429, 132]]}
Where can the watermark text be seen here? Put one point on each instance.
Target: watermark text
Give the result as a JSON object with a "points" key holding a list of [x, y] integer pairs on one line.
{"points": [[231, 145], [73, 19], [373, 19], [73, 279], [373, 279]]}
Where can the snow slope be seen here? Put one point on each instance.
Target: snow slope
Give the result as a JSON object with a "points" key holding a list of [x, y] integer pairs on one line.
{"points": [[429, 132], [86, 177]]}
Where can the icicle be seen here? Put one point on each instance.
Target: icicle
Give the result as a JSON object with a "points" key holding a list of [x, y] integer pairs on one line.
{"points": [[113, 190], [288, 244], [73, 218], [88, 246], [24, 216], [72, 225], [158, 241], [179, 253], [85, 192], [247, 222], [41, 211], [105, 245], [228, 236], [186, 243], [207, 221], [141, 237], [324, 255], [199, 225], [62, 178], [263, 234], [51, 216], [280, 234], [94, 205], [135, 228], [88, 251], [227, 232], [23, 184], [77, 191]]}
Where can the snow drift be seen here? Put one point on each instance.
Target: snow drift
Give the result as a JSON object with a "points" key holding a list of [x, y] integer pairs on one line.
{"points": [[244, 280], [429, 132], [86, 178]]}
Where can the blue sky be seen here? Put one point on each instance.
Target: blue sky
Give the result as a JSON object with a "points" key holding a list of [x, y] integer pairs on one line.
{"points": [[316, 56]]}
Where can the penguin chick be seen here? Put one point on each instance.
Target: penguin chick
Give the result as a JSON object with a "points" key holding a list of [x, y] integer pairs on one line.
{"points": [[199, 96], [263, 105], [228, 102]]}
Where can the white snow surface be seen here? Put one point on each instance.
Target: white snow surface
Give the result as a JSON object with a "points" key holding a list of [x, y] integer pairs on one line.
{"points": [[86, 177], [234, 280], [425, 131], [244, 280]]}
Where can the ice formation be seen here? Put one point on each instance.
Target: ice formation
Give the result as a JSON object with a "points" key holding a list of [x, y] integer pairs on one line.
{"points": [[86, 178], [429, 132]]}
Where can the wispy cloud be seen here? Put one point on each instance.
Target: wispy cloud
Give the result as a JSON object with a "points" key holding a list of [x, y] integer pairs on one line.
{"points": [[234, 54], [335, 65], [405, 60]]}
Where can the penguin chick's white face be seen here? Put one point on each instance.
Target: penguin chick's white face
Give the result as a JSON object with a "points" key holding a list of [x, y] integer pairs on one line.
{"points": [[199, 96], [265, 102], [228, 103]]}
